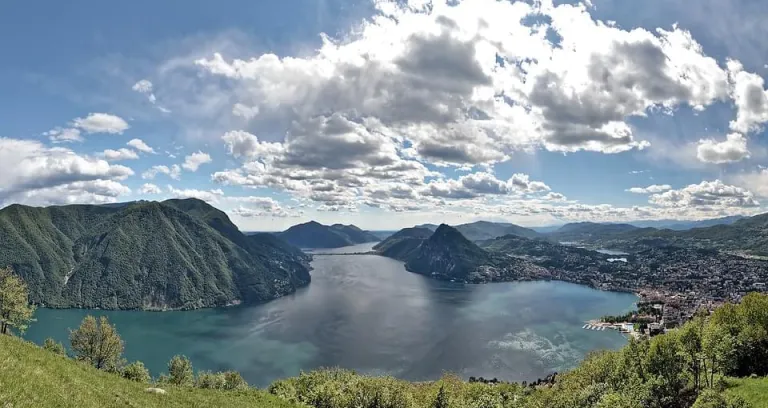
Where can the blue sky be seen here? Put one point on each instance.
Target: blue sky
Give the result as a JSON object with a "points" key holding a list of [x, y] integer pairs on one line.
{"points": [[391, 113]]}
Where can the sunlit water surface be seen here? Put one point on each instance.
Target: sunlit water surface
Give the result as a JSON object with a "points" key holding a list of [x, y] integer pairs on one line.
{"points": [[368, 313]]}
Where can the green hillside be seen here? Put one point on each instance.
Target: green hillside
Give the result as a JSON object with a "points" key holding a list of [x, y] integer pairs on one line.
{"points": [[35, 378], [179, 254], [315, 235]]}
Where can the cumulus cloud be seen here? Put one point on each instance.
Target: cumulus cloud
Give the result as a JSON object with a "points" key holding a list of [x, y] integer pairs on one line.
{"points": [[35, 173], [139, 145], [120, 154], [652, 189], [64, 135], [244, 111], [195, 160], [750, 98], [732, 149], [173, 172], [211, 196], [254, 206], [149, 188], [714, 194], [101, 123], [473, 81]]}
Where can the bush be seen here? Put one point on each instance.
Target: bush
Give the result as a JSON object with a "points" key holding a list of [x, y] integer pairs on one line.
{"points": [[180, 371], [136, 372], [97, 342], [207, 379], [54, 347], [234, 381]]}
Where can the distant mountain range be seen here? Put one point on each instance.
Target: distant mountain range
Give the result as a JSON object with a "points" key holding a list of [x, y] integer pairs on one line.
{"points": [[446, 254], [315, 235], [481, 230], [176, 254]]}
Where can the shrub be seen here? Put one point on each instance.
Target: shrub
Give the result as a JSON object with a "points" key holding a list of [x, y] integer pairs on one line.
{"points": [[136, 372], [207, 379], [234, 381], [54, 347], [97, 343], [180, 371]]}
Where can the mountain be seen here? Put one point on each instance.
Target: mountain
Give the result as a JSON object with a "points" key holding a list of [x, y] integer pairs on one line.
{"points": [[315, 235], [580, 231], [446, 254], [686, 225], [482, 230], [176, 254], [400, 244]]}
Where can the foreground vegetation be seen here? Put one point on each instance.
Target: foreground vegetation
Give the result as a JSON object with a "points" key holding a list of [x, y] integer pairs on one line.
{"points": [[33, 377], [688, 367]]}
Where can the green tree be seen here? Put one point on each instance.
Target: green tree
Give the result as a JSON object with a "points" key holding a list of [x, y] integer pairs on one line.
{"points": [[54, 347], [718, 349], [97, 343], [136, 372], [234, 381], [207, 379], [180, 371], [441, 400], [690, 337], [15, 310], [667, 366]]}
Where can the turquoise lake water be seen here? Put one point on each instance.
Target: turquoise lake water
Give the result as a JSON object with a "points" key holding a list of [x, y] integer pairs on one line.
{"points": [[368, 313]]}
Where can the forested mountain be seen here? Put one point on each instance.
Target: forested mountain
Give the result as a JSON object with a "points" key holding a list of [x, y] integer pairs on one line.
{"points": [[481, 230], [446, 254], [686, 225], [585, 230], [178, 254], [315, 235]]}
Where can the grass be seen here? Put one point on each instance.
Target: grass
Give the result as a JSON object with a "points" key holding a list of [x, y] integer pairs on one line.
{"points": [[33, 377], [754, 390]]}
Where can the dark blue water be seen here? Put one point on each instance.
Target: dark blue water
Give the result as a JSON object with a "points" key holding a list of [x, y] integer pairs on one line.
{"points": [[367, 313]]}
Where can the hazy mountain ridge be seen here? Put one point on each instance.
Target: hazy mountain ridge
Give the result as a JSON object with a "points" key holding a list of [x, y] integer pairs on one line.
{"points": [[482, 230], [178, 254], [315, 235]]}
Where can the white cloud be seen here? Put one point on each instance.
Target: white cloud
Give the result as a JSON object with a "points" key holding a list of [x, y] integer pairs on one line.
{"points": [[143, 86], [652, 189], [211, 196], [433, 76], [195, 160], [754, 181], [750, 98], [243, 144], [244, 111], [149, 188], [120, 154], [101, 123], [713, 194], [139, 145], [173, 172], [35, 173], [732, 149], [79, 192], [64, 135]]}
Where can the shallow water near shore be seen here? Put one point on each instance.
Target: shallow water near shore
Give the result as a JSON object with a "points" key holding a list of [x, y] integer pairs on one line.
{"points": [[367, 313]]}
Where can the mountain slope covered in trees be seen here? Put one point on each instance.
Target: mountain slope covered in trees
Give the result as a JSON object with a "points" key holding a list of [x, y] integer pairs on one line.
{"points": [[178, 254], [315, 235]]}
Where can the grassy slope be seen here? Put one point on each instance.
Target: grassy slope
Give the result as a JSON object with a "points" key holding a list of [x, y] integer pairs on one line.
{"points": [[33, 377], [754, 390]]}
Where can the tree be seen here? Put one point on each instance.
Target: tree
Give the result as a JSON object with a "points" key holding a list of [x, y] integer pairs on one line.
{"points": [[98, 343], [15, 310], [54, 347], [180, 371], [234, 381], [441, 400], [690, 337], [718, 350], [136, 372]]}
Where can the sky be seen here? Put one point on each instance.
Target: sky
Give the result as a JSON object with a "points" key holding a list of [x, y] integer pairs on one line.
{"points": [[387, 114]]}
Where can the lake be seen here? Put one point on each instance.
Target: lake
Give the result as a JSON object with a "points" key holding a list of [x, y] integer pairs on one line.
{"points": [[368, 313]]}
